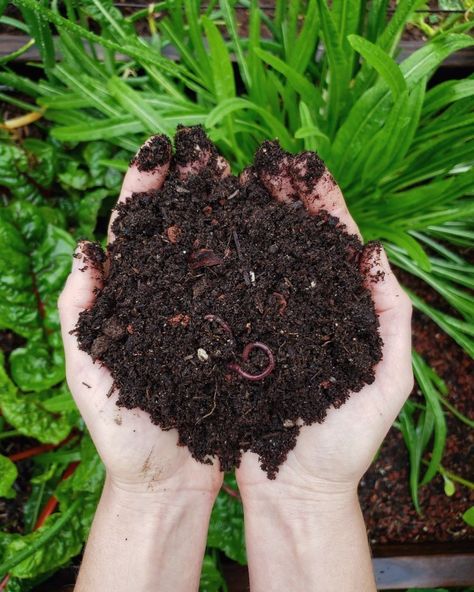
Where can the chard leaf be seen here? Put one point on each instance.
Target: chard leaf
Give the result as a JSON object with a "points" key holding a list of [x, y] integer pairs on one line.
{"points": [[226, 529], [35, 258], [27, 413], [8, 475], [211, 578]]}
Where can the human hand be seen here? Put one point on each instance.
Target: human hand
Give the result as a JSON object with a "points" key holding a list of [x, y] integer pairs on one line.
{"points": [[330, 458], [138, 456]]}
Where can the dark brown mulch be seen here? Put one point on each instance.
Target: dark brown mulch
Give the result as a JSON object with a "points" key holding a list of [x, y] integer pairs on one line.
{"points": [[228, 316]]}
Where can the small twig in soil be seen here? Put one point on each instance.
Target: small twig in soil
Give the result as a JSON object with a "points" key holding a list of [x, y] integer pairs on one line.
{"points": [[212, 410], [241, 257], [245, 355]]}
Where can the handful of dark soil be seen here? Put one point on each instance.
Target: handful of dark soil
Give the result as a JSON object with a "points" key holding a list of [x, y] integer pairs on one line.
{"points": [[230, 317]]}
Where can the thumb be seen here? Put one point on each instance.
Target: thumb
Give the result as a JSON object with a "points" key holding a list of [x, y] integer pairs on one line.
{"points": [[393, 307], [79, 294]]}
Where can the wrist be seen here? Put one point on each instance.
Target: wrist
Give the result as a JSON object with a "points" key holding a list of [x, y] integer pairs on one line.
{"points": [[154, 498]]}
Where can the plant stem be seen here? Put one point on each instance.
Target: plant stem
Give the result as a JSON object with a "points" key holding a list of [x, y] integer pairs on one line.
{"points": [[40, 541], [9, 434], [457, 413]]}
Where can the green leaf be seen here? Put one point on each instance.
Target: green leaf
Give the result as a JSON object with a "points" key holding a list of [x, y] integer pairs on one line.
{"points": [[52, 545], [468, 516], [28, 415], [440, 428], [42, 161], [8, 475], [308, 92], [226, 529], [130, 100], [449, 486], [211, 578], [382, 62], [100, 129], [369, 113], [339, 66], [223, 74], [274, 127]]}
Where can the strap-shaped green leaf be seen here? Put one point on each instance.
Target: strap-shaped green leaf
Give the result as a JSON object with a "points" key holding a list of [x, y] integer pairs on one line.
{"points": [[382, 62]]}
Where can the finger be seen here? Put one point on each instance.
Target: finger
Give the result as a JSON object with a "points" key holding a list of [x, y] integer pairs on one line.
{"points": [[319, 191], [80, 290], [393, 308], [194, 152], [272, 165], [147, 171]]}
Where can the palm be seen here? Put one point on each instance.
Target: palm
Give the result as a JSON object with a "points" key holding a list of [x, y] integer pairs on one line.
{"points": [[337, 452], [134, 451]]}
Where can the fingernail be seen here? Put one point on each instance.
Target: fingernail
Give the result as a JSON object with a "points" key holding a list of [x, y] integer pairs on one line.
{"points": [[154, 153]]}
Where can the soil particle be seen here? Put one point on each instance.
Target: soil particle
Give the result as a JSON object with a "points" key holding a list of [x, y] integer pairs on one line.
{"points": [[153, 154], [235, 343]]}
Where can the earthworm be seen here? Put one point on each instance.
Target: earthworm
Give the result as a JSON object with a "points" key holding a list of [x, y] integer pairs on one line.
{"points": [[214, 318], [245, 355]]}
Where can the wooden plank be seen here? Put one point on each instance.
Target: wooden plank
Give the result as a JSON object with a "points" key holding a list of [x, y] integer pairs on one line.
{"points": [[425, 571], [392, 573], [10, 43]]}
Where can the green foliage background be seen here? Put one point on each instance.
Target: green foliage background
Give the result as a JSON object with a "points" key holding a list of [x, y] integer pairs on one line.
{"points": [[316, 77]]}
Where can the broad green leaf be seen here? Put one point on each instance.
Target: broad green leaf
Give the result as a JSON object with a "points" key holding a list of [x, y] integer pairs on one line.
{"points": [[382, 62], [211, 578], [307, 39], [468, 516], [27, 414], [392, 33], [226, 529], [51, 546], [8, 475], [371, 110]]}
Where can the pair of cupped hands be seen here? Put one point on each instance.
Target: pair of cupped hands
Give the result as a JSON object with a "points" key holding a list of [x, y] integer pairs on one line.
{"points": [[328, 460]]}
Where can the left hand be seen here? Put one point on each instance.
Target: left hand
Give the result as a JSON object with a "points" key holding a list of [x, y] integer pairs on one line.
{"points": [[138, 455]]}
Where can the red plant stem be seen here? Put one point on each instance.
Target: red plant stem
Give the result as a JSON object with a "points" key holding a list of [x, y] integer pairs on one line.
{"points": [[30, 452], [231, 491], [24, 454], [51, 504], [245, 354], [48, 509]]}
